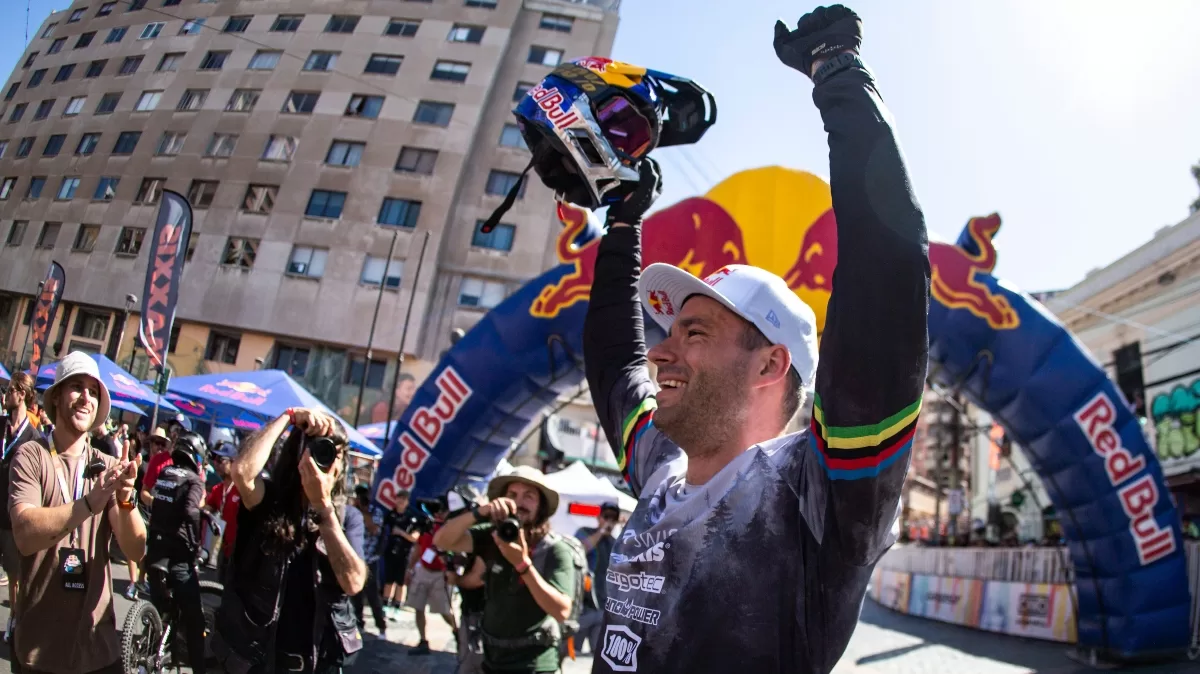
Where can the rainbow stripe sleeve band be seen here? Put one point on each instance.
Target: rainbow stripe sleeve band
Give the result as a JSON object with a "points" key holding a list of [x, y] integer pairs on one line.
{"points": [[857, 452]]}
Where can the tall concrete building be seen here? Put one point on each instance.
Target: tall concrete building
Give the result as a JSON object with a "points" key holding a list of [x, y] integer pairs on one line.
{"points": [[304, 140]]}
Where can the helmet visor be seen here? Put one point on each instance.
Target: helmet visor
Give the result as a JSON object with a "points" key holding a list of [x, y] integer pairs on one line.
{"points": [[624, 127]]}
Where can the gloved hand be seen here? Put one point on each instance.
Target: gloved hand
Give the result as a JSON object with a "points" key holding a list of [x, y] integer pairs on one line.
{"points": [[633, 209], [819, 35]]}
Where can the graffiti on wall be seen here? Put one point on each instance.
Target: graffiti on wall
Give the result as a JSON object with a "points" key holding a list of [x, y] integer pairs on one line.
{"points": [[1176, 414]]}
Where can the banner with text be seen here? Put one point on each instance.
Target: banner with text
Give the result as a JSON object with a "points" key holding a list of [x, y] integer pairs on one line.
{"points": [[945, 598], [1039, 610], [168, 251], [43, 313], [891, 588]]}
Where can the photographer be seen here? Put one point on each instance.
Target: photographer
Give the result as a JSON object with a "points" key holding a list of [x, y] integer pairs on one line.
{"points": [[426, 580], [530, 578], [598, 544], [298, 555], [398, 543], [467, 575], [372, 540], [174, 535]]}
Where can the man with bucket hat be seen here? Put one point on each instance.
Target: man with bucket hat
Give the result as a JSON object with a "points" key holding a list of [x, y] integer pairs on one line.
{"points": [[67, 502], [531, 573]]}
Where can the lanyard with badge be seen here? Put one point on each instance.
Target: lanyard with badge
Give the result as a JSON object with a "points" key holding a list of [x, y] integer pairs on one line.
{"points": [[71, 565], [8, 445]]}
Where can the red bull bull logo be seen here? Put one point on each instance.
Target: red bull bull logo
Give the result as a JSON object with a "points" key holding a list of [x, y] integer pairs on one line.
{"points": [[124, 383], [550, 101], [241, 391], [955, 276], [660, 303], [814, 266]]}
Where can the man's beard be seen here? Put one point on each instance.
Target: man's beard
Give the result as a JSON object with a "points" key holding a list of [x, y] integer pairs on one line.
{"points": [[708, 414]]}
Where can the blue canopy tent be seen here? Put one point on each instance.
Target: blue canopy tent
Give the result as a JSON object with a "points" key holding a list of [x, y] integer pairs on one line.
{"points": [[375, 432], [129, 407], [4, 375], [122, 386], [260, 395]]}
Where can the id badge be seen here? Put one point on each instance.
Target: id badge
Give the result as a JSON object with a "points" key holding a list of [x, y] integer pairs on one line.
{"points": [[429, 555], [73, 569]]}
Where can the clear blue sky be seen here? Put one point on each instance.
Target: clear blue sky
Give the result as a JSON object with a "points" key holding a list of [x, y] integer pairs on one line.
{"points": [[1073, 120]]}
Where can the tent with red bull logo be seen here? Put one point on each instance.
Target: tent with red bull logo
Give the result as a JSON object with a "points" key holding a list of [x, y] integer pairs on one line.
{"points": [[992, 343]]}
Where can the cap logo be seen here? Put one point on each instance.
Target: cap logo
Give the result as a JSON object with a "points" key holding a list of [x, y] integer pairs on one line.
{"points": [[660, 303], [772, 318], [715, 277]]}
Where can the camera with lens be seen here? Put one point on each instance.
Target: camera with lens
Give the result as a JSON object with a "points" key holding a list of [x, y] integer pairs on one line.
{"points": [[509, 530], [322, 450]]}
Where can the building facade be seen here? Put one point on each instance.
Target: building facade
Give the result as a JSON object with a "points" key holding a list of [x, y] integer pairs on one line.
{"points": [[307, 142]]}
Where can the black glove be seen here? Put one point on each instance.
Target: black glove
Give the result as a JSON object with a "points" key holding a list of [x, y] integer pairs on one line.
{"points": [[820, 34], [633, 209]]}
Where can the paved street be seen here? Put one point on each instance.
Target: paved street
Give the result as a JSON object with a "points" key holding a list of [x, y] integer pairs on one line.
{"points": [[884, 643]]}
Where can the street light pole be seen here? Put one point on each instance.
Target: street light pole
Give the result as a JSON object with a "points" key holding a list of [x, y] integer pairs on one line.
{"points": [[387, 426], [362, 382]]}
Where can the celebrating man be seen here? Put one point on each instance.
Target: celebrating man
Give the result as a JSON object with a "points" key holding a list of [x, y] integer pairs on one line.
{"points": [[19, 427], [750, 550]]}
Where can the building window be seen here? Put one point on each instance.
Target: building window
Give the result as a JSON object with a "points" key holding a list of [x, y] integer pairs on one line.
{"points": [[306, 261], [291, 359], [201, 192], [106, 189], [279, 148], [362, 105], [108, 103], [243, 100], [344, 153], [463, 33], [402, 27], [84, 40], [64, 72], [432, 112], [66, 190], [476, 292], [148, 101], [485, 4], [150, 191], [170, 144], [130, 65], [95, 69], [510, 136], [49, 29], [221, 145], [264, 60], [373, 272], [340, 23], [260, 199], [191, 27], [374, 373], [301, 102], [74, 106], [17, 234], [450, 71], [383, 64], [557, 22], [18, 112], [214, 60], [105, 9], [321, 61], [130, 241], [500, 238], [43, 110], [49, 236], [3, 148], [399, 212], [416, 160], [85, 238], [91, 325], [76, 15], [193, 238], [237, 24], [126, 142], [287, 23], [240, 252], [500, 182], [522, 89], [116, 35], [151, 30], [56, 46], [135, 5], [169, 63], [29, 60], [6, 188], [87, 144], [544, 56], [54, 145], [192, 100], [25, 146], [325, 204], [222, 348], [34, 79]]}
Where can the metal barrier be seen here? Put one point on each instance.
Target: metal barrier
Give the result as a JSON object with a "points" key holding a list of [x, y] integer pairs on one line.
{"points": [[1022, 565]]}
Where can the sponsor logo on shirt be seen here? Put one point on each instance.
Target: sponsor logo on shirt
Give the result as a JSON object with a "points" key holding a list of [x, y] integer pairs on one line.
{"points": [[629, 536], [628, 609], [620, 648], [635, 581], [654, 554]]}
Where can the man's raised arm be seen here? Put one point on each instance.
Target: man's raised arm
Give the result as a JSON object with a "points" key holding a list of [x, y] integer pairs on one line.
{"points": [[614, 341], [875, 345]]}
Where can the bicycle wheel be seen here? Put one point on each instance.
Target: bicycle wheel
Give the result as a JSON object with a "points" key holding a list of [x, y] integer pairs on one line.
{"points": [[139, 639], [210, 601]]}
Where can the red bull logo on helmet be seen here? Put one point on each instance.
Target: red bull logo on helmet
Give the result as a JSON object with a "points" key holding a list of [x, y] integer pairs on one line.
{"points": [[550, 101]]}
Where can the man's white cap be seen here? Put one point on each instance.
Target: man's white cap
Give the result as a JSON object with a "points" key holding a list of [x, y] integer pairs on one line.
{"points": [[755, 294], [74, 364]]}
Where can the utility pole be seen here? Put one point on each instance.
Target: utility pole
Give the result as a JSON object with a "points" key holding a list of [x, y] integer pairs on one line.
{"points": [[956, 503], [362, 384]]}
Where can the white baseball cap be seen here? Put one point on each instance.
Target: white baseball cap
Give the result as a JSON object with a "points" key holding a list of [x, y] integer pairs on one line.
{"points": [[755, 294], [74, 364]]}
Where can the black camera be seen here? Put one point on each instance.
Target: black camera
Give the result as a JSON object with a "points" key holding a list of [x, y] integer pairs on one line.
{"points": [[509, 530], [322, 450]]}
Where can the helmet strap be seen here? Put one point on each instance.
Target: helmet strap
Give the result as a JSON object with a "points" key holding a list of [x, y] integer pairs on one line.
{"points": [[511, 198]]}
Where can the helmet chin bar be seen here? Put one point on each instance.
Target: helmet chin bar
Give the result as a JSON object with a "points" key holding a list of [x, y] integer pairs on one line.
{"points": [[593, 159]]}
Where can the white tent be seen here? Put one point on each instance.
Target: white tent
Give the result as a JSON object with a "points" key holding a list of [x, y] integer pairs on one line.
{"points": [[577, 486]]}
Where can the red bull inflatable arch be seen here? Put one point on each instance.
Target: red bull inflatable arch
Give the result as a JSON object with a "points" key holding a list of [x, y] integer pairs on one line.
{"points": [[996, 345]]}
